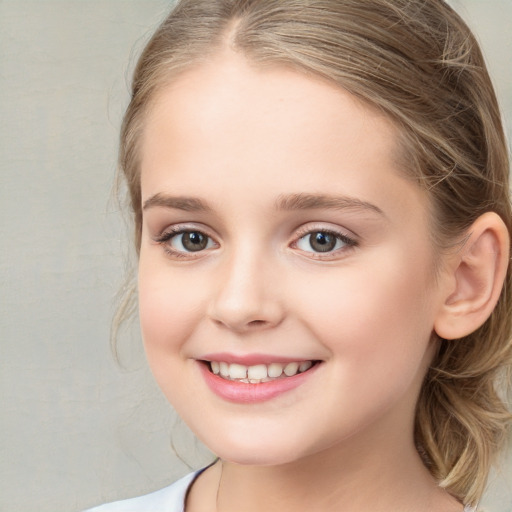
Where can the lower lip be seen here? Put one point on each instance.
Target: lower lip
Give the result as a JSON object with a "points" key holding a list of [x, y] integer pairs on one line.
{"points": [[243, 393]]}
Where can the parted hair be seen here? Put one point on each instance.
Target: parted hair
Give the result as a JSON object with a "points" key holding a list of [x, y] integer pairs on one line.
{"points": [[419, 64]]}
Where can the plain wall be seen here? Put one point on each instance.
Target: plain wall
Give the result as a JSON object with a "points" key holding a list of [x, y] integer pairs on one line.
{"points": [[76, 428]]}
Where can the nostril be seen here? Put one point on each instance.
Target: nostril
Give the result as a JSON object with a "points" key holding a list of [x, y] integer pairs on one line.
{"points": [[256, 323]]}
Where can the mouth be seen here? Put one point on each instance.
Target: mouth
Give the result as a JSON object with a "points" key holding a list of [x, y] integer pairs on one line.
{"points": [[261, 379], [258, 373]]}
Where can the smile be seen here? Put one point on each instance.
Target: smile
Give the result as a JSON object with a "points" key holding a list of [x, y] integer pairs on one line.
{"points": [[258, 373], [236, 382]]}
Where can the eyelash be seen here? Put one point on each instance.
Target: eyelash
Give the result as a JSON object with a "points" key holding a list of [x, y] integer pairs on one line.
{"points": [[349, 243], [175, 231]]}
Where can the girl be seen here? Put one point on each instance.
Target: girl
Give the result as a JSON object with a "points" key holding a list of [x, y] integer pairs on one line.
{"points": [[322, 218]]}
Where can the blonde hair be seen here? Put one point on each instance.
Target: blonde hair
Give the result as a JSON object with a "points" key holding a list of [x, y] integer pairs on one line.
{"points": [[419, 63]]}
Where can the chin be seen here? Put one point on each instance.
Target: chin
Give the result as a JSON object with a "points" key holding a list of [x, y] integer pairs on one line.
{"points": [[254, 454]]}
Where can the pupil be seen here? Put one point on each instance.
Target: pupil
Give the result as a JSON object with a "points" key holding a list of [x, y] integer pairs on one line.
{"points": [[322, 242], [194, 241]]}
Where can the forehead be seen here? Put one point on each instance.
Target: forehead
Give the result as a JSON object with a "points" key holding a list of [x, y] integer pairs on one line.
{"points": [[231, 89], [228, 122]]}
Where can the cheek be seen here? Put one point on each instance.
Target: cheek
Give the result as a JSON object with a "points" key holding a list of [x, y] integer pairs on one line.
{"points": [[373, 313], [376, 328], [168, 308]]}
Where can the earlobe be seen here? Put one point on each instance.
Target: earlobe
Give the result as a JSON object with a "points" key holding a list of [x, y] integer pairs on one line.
{"points": [[477, 274]]}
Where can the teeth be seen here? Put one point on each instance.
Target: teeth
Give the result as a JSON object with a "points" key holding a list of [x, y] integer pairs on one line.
{"points": [[238, 371], [275, 370], [259, 372], [304, 366], [291, 369], [224, 369]]}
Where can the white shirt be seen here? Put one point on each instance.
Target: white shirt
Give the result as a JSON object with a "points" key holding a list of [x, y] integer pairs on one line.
{"points": [[168, 499]]}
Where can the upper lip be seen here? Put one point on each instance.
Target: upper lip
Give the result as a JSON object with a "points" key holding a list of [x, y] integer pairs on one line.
{"points": [[252, 359]]}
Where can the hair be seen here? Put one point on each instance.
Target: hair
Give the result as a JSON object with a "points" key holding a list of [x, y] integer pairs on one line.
{"points": [[418, 63]]}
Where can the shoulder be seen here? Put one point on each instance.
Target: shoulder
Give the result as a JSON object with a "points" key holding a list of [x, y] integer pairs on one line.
{"points": [[168, 499]]}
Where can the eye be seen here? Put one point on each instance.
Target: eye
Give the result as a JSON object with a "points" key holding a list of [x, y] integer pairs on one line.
{"points": [[190, 241], [323, 242], [185, 241]]}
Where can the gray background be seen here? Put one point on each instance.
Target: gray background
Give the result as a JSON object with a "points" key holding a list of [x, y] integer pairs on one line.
{"points": [[77, 429]]}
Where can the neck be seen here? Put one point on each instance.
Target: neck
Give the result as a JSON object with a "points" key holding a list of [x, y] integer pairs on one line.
{"points": [[330, 481], [352, 477]]}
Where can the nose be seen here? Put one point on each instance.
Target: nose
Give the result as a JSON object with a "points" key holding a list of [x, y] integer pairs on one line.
{"points": [[246, 298]]}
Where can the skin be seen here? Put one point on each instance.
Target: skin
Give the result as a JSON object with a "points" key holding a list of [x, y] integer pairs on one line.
{"points": [[239, 139]]}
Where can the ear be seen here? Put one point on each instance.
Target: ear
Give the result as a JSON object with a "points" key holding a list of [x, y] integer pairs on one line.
{"points": [[475, 277]]}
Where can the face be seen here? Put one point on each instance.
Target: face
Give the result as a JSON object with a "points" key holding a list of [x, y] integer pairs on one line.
{"points": [[285, 279]]}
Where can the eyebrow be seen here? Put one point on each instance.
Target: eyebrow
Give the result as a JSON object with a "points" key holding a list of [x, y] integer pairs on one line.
{"points": [[188, 204], [318, 201], [284, 202]]}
